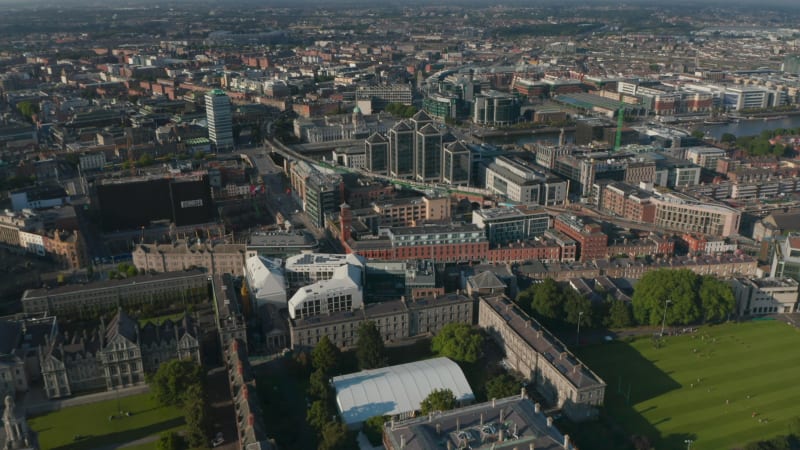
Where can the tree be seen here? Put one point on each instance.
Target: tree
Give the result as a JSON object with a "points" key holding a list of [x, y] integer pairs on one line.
{"points": [[727, 138], [171, 441], [196, 416], [716, 299], [438, 400], [619, 315], [547, 300], [698, 134], [325, 355], [574, 305], [373, 429], [317, 415], [334, 437], [370, 350], [318, 385], [502, 386], [172, 380], [145, 160], [659, 286], [458, 341]]}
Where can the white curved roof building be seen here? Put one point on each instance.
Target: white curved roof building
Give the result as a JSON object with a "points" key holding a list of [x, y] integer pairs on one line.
{"points": [[397, 390], [266, 281], [341, 292]]}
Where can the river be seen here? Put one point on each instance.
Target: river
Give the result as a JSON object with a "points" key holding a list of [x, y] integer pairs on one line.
{"points": [[742, 128], [750, 127]]}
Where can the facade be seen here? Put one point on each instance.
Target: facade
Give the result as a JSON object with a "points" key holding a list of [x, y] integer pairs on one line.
{"points": [[705, 157], [495, 108], [628, 202], [680, 212], [524, 184], [505, 225], [786, 260], [377, 154], [229, 310], [401, 150], [250, 423], [319, 193], [108, 295], [592, 243], [428, 154], [396, 320], [456, 164], [383, 94], [115, 356], [410, 211], [16, 434], [341, 292], [765, 295], [220, 119], [563, 380], [185, 255]]}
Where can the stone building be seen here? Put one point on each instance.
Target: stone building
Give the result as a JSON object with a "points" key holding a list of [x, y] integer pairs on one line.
{"points": [[116, 355], [18, 435], [562, 379], [178, 256]]}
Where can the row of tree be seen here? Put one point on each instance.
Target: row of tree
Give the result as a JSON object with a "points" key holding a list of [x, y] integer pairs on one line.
{"points": [[181, 383], [671, 296], [557, 305], [331, 434]]}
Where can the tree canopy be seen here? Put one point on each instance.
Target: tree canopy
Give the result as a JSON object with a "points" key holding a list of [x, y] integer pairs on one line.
{"points": [[619, 314], [172, 381], [370, 350], [325, 355], [547, 300], [438, 400], [681, 294], [458, 341], [501, 386]]}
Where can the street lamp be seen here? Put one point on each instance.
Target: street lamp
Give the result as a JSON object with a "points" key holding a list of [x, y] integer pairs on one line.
{"points": [[578, 333], [688, 443], [664, 321]]}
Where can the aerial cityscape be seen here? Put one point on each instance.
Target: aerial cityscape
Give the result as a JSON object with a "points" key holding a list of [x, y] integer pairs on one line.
{"points": [[350, 225]]}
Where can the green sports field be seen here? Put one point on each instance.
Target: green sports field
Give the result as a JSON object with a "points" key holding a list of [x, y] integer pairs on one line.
{"points": [[721, 387], [57, 430]]}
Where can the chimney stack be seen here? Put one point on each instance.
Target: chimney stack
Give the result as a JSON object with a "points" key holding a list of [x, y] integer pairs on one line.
{"points": [[549, 422], [566, 441], [403, 441], [537, 408]]}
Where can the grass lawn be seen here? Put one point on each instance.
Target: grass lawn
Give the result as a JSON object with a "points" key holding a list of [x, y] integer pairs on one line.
{"points": [[58, 429], [742, 369]]}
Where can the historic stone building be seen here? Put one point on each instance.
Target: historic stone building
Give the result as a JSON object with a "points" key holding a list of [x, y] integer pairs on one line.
{"points": [[562, 379], [115, 356]]}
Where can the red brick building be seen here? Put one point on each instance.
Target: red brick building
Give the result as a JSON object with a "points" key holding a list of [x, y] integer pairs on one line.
{"points": [[592, 243]]}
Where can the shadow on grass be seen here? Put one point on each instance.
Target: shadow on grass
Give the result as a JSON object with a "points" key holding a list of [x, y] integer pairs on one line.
{"points": [[630, 379], [122, 437]]}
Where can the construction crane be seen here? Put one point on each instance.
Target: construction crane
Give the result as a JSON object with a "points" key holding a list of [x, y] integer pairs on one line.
{"points": [[620, 120]]}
